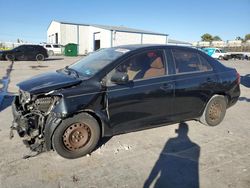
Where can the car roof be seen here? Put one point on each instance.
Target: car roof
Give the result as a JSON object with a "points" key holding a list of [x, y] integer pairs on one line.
{"points": [[141, 46], [29, 45]]}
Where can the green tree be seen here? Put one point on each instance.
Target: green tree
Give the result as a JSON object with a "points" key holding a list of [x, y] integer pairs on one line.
{"points": [[207, 37], [247, 37], [216, 38]]}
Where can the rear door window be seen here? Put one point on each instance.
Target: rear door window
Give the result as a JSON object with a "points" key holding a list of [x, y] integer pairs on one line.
{"points": [[204, 64], [188, 61]]}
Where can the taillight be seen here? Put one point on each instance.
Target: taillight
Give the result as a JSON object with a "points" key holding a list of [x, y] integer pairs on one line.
{"points": [[238, 78]]}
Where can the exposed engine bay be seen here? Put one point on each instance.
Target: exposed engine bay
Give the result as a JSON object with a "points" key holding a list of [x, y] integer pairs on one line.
{"points": [[30, 116]]}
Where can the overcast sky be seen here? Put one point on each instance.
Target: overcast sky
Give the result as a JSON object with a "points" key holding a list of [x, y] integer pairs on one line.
{"points": [[184, 20]]}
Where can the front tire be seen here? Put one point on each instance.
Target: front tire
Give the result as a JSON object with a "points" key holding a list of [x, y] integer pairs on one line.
{"points": [[215, 111], [76, 136]]}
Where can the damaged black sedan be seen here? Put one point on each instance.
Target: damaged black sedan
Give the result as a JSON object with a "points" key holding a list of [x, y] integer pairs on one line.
{"points": [[118, 90]]}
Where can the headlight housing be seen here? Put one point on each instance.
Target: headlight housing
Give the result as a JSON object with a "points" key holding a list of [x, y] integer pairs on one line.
{"points": [[24, 96], [43, 104]]}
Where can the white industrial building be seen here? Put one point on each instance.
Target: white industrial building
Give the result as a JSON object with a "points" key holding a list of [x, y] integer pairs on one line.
{"points": [[90, 37]]}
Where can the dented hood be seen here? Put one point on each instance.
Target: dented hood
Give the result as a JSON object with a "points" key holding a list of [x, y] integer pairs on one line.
{"points": [[47, 82]]}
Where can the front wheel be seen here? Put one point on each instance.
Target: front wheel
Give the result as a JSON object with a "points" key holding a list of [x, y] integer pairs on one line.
{"points": [[220, 58], [215, 111], [76, 136]]}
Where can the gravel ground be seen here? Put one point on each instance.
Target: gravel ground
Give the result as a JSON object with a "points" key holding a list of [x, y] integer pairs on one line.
{"points": [[207, 156]]}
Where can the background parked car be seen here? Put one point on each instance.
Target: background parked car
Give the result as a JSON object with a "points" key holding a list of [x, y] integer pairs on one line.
{"points": [[216, 53], [24, 53], [53, 49]]}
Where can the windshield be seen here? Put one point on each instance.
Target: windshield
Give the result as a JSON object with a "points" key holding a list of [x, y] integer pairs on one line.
{"points": [[209, 51], [94, 62]]}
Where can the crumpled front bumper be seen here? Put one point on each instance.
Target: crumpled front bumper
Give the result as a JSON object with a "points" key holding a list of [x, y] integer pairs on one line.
{"points": [[19, 121], [26, 126], [35, 129]]}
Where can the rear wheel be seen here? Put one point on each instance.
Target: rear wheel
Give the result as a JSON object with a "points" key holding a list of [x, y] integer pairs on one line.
{"points": [[215, 111], [40, 57], [76, 136], [50, 52]]}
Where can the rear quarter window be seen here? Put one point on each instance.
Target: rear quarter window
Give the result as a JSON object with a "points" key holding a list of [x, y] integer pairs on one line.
{"points": [[188, 61]]}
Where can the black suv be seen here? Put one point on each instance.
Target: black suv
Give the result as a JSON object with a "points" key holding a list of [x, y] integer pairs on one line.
{"points": [[24, 53], [122, 89]]}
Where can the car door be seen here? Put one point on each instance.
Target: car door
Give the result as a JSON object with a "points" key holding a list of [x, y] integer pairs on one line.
{"points": [[25, 52], [146, 100], [194, 81], [19, 53], [31, 52]]}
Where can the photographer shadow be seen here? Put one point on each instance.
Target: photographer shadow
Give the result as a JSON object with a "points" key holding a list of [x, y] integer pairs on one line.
{"points": [[178, 163]]}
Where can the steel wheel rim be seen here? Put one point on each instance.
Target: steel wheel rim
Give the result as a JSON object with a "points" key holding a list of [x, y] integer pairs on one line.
{"points": [[76, 136], [215, 111]]}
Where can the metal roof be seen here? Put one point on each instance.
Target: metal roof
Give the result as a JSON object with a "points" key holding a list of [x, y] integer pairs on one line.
{"points": [[172, 41], [115, 28], [140, 46]]}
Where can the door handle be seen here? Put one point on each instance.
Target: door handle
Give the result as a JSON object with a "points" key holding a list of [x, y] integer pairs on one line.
{"points": [[166, 86], [209, 80]]}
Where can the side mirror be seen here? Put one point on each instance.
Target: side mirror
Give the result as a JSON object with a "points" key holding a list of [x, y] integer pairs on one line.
{"points": [[120, 78]]}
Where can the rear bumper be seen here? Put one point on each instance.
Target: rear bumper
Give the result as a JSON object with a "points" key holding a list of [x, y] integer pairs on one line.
{"points": [[234, 95]]}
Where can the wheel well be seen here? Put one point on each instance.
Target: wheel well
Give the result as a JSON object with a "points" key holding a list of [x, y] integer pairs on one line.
{"points": [[92, 114], [97, 118], [227, 97]]}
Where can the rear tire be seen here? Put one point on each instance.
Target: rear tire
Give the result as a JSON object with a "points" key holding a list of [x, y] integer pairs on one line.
{"points": [[10, 57], [50, 52], [76, 136], [215, 111], [40, 57]]}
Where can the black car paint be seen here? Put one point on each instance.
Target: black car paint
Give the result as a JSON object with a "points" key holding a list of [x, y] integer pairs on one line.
{"points": [[47, 82], [146, 103], [25, 52]]}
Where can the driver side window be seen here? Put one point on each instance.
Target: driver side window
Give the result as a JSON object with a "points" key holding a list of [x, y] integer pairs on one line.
{"points": [[145, 65]]}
